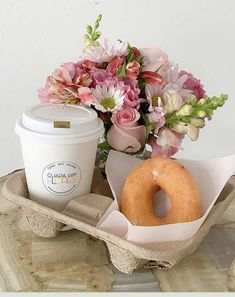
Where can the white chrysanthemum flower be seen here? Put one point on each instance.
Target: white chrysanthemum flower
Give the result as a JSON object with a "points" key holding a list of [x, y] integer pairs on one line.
{"points": [[106, 51], [108, 98]]}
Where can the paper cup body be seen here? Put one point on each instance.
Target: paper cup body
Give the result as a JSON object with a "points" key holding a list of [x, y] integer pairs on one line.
{"points": [[59, 145]]}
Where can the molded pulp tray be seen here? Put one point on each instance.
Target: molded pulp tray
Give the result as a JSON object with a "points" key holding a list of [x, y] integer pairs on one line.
{"points": [[84, 212]]}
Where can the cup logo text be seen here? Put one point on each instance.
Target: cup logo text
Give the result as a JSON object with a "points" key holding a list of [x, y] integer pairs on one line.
{"points": [[61, 178]]}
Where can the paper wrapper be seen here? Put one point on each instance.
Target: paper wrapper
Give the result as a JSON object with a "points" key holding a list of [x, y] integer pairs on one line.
{"points": [[211, 175]]}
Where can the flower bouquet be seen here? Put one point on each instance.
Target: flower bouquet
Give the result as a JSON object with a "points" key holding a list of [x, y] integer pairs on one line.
{"points": [[141, 96]]}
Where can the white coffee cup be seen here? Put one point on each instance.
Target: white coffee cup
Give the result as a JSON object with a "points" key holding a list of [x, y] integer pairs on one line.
{"points": [[59, 144]]}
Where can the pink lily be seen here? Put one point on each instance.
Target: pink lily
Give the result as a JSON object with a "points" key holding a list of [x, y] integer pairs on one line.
{"points": [[152, 78], [114, 64]]}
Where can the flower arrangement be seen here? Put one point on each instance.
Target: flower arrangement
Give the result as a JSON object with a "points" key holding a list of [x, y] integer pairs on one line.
{"points": [[139, 94]]}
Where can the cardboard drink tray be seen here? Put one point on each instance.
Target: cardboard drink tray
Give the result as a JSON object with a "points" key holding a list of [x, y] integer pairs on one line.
{"points": [[84, 212]]}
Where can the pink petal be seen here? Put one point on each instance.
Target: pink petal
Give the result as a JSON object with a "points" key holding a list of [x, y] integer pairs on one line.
{"points": [[152, 78], [159, 151], [85, 95], [70, 67], [138, 132], [155, 56], [168, 138], [159, 124], [43, 95], [121, 139]]}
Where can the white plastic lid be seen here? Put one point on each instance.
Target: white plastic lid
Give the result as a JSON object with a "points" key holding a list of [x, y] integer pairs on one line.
{"points": [[59, 123]]}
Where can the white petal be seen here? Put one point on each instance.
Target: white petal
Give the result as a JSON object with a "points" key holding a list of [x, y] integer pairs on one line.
{"points": [[192, 132]]}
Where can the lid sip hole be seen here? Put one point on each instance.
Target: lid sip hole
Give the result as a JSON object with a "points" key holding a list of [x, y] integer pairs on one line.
{"points": [[61, 124]]}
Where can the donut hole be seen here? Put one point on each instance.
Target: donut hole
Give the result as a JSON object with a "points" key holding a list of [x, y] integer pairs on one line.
{"points": [[161, 203]]}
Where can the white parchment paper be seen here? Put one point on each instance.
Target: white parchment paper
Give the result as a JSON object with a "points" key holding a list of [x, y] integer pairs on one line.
{"points": [[211, 175]]}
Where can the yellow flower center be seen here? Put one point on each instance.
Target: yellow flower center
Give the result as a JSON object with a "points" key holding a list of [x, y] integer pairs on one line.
{"points": [[155, 101], [108, 103]]}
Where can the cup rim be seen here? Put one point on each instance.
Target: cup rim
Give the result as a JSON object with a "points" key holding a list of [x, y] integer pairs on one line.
{"points": [[59, 138]]}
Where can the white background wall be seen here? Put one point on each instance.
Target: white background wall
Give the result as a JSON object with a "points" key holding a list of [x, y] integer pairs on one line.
{"points": [[38, 35]]}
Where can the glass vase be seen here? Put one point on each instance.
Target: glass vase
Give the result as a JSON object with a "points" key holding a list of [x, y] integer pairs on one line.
{"points": [[102, 155]]}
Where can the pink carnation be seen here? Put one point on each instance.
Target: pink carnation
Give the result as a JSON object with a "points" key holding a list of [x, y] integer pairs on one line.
{"points": [[194, 84], [132, 92], [101, 75]]}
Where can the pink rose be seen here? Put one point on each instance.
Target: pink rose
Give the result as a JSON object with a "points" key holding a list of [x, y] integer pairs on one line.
{"points": [[126, 134], [132, 70], [154, 58], [194, 84]]}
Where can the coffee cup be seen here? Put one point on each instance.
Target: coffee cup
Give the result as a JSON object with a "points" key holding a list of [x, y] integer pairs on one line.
{"points": [[59, 145]]}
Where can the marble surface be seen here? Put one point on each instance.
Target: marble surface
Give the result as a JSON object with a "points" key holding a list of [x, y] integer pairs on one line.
{"points": [[75, 261]]}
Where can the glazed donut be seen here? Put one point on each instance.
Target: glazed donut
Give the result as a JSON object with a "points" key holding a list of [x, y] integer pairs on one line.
{"points": [[149, 177]]}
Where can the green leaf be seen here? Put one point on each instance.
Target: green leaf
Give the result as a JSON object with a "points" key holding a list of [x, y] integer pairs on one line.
{"points": [[131, 56], [96, 35], [202, 102], [122, 71], [209, 112], [185, 110], [148, 124], [99, 17], [104, 145], [186, 119], [142, 84], [93, 34], [97, 22], [200, 113], [89, 29], [159, 68], [149, 128], [87, 41], [191, 100]]}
